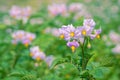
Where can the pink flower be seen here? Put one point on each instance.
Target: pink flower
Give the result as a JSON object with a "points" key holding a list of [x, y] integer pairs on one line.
{"points": [[20, 13], [114, 37], [89, 23], [57, 9], [53, 31], [23, 37], [49, 60], [75, 7], [116, 49], [69, 32], [96, 34], [73, 45], [74, 36], [36, 53]]}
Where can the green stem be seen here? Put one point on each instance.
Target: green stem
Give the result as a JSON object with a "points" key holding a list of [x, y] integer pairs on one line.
{"points": [[83, 60], [83, 57], [15, 61]]}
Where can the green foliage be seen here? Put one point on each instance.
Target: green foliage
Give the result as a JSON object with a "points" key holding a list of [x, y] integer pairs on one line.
{"points": [[100, 62]]}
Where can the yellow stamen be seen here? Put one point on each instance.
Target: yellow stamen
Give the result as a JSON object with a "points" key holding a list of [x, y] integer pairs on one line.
{"points": [[72, 34], [98, 36], [73, 48], [62, 36], [84, 32], [31, 54], [30, 38], [26, 44], [38, 58]]}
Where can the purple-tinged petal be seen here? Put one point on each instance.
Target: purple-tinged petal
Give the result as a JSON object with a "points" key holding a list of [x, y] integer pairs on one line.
{"points": [[89, 23]]}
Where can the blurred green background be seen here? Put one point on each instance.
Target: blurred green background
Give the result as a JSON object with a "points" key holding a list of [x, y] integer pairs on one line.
{"points": [[106, 14]]}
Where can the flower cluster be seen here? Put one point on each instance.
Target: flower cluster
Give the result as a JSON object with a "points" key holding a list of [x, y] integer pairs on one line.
{"points": [[38, 55], [64, 10], [76, 7], [53, 31], [49, 60], [56, 9], [113, 39], [20, 13], [76, 36], [22, 37]]}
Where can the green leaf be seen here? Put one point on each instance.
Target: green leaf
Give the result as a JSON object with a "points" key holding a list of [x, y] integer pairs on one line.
{"points": [[58, 61], [107, 61], [19, 73], [84, 73], [2, 26], [28, 77], [99, 72]]}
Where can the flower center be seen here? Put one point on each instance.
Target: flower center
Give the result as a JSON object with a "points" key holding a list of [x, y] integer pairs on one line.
{"points": [[72, 34], [37, 58], [62, 36], [73, 48], [84, 32], [26, 44], [30, 38], [31, 54], [98, 36]]}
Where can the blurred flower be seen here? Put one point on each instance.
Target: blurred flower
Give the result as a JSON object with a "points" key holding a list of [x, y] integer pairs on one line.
{"points": [[36, 21], [23, 37], [114, 37], [79, 10], [57, 9], [49, 60], [36, 64], [36, 53], [20, 13], [116, 49], [89, 23], [75, 7], [53, 31], [73, 45]]}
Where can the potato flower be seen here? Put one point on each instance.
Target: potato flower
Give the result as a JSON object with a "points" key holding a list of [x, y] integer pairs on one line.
{"points": [[77, 35], [23, 37]]}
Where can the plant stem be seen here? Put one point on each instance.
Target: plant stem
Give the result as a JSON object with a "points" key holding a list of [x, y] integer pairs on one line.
{"points": [[83, 57], [15, 61], [83, 63]]}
